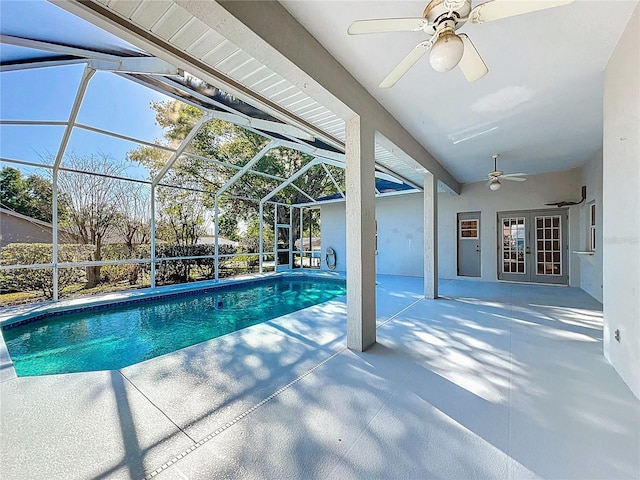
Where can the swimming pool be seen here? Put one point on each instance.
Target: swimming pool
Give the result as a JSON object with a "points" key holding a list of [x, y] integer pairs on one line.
{"points": [[113, 337]]}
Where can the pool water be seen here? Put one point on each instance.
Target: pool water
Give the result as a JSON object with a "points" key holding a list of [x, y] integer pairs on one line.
{"points": [[117, 336]]}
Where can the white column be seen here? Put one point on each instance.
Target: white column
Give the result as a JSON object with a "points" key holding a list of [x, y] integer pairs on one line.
{"points": [[360, 217], [430, 236]]}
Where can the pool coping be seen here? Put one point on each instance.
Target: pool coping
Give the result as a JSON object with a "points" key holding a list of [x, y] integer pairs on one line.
{"points": [[30, 313]]}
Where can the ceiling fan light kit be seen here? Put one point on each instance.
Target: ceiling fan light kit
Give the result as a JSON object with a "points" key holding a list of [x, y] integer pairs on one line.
{"points": [[440, 19], [447, 52], [497, 175]]}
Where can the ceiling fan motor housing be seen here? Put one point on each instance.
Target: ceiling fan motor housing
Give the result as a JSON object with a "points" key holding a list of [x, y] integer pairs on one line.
{"points": [[436, 12]]}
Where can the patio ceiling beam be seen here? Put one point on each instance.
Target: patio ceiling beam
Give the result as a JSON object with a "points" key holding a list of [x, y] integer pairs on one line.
{"points": [[241, 119], [331, 177], [183, 145], [262, 130], [384, 169], [290, 180], [247, 167]]}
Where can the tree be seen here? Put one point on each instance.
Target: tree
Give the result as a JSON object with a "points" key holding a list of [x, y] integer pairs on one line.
{"points": [[133, 222], [31, 196], [235, 145], [92, 202]]}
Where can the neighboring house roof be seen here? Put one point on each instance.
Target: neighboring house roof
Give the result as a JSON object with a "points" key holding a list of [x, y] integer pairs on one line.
{"points": [[25, 217], [315, 243], [221, 241], [18, 228]]}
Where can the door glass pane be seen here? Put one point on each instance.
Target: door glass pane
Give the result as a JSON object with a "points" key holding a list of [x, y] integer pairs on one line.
{"points": [[513, 245], [469, 229], [548, 253]]}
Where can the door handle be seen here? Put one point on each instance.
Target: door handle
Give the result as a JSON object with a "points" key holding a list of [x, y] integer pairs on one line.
{"points": [[528, 251], [477, 248]]}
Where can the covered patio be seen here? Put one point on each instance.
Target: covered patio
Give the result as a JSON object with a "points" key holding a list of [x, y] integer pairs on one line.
{"points": [[489, 381]]}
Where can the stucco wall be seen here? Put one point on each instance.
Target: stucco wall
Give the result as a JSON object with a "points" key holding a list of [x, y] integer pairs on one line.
{"points": [[400, 224], [591, 266], [400, 234], [621, 200], [334, 233], [529, 195]]}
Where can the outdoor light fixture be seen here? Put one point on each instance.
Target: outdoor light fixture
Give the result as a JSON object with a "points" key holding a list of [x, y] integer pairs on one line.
{"points": [[446, 52], [495, 185]]}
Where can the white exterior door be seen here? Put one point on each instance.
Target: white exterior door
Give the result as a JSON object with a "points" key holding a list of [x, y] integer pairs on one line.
{"points": [[533, 246], [469, 244]]}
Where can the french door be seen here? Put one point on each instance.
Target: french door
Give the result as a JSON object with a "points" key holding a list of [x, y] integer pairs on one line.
{"points": [[532, 246]]}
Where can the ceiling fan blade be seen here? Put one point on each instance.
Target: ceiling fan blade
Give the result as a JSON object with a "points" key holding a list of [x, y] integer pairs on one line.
{"points": [[387, 25], [513, 179], [497, 9], [406, 63], [515, 175], [471, 63]]}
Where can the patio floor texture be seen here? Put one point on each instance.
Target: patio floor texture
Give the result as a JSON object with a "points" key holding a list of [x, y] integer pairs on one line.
{"points": [[492, 380]]}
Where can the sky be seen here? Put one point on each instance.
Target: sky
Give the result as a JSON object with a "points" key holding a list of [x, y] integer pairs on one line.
{"points": [[47, 94]]}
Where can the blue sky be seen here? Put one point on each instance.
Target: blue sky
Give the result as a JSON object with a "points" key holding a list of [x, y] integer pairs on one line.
{"points": [[111, 102]]}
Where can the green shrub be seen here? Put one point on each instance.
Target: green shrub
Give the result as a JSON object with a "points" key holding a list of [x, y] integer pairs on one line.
{"points": [[40, 280], [182, 271], [167, 272]]}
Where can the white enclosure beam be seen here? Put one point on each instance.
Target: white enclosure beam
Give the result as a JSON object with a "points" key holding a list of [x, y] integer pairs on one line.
{"points": [[153, 236], [333, 180], [216, 217], [55, 48], [82, 88], [247, 167], [311, 150], [264, 125], [430, 236], [360, 218], [12, 67], [303, 192], [290, 180], [204, 119], [139, 65], [261, 240]]}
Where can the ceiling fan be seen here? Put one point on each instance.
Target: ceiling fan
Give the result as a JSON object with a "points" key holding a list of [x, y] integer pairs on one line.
{"points": [[440, 19], [497, 175]]}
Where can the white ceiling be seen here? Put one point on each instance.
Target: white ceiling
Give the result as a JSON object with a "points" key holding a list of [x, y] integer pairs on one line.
{"points": [[539, 107]]}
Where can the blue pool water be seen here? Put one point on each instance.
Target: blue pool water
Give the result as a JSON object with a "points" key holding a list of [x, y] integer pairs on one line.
{"points": [[117, 336]]}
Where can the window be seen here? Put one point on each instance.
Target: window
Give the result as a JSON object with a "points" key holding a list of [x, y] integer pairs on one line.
{"points": [[468, 228], [592, 227]]}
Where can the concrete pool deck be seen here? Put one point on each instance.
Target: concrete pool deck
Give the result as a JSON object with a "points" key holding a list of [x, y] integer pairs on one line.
{"points": [[492, 380]]}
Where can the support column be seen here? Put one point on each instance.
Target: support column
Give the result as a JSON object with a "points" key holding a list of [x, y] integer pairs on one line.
{"points": [[360, 217], [430, 236]]}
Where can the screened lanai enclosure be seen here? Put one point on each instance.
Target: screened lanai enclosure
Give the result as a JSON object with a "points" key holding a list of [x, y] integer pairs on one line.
{"points": [[120, 171]]}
